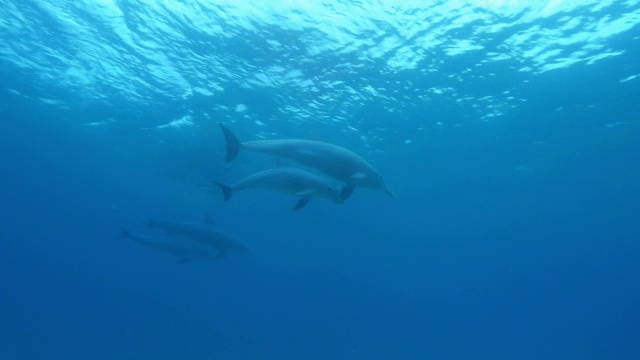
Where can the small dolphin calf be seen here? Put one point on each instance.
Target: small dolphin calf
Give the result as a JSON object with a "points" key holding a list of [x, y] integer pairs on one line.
{"points": [[289, 180], [333, 160], [203, 234], [184, 253]]}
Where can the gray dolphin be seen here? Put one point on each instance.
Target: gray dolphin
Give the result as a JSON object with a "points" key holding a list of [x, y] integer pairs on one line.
{"points": [[184, 253], [333, 160], [203, 234], [286, 179]]}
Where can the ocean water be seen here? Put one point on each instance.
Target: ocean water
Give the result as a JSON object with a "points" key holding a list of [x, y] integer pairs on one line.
{"points": [[508, 130]]}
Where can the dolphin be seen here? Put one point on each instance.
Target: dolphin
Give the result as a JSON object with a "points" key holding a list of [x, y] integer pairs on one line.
{"points": [[183, 253], [203, 234], [333, 160], [289, 180]]}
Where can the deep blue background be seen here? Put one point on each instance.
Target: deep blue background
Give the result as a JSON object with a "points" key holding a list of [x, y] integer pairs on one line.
{"points": [[513, 239]]}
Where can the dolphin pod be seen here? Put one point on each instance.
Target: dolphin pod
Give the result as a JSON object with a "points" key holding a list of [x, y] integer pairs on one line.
{"points": [[335, 161], [289, 180]]}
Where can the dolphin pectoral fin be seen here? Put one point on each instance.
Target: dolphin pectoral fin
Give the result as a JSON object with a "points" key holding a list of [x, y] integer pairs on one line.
{"points": [[346, 191], [358, 176], [233, 145], [301, 203], [226, 190]]}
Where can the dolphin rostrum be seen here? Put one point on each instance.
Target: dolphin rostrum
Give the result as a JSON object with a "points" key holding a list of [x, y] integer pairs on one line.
{"points": [[333, 160], [286, 179], [184, 253], [203, 234]]}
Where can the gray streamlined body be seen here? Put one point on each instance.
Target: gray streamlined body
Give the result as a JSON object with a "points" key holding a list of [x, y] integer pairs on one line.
{"points": [[203, 234], [289, 180], [184, 253], [333, 160]]}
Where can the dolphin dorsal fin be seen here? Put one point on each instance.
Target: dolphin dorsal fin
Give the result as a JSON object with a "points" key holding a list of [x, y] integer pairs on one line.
{"points": [[232, 143]]}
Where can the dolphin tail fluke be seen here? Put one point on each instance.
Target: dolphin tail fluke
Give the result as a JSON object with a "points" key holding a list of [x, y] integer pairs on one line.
{"points": [[232, 143], [226, 190], [346, 191], [124, 233], [302, 202]]}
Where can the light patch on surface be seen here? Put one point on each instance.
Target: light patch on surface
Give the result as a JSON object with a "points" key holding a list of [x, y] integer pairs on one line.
{"points": [[53, 102], [202, 91], [462, 47], [605, 55], [108, 121], [178, 123], [616, 124], [629, 78]]}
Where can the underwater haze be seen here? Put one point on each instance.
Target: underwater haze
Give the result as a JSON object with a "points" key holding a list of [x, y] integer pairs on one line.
{"points": [[508, 131]]}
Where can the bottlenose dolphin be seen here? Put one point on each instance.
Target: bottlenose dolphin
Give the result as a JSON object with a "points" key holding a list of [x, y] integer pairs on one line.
{"points": [[286, 179], [203, 234], [333, 160], [184, 253]]}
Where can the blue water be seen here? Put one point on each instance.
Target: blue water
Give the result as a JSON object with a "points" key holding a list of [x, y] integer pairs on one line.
{"points": [[508, 130]]}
